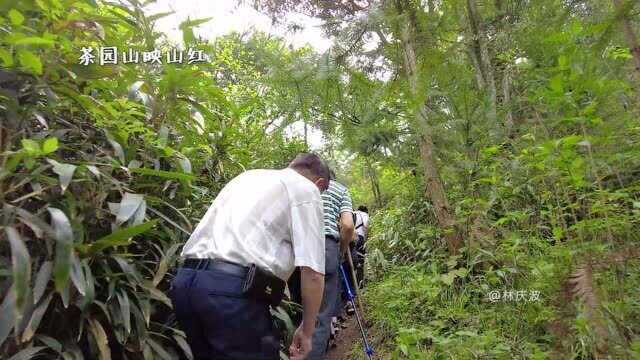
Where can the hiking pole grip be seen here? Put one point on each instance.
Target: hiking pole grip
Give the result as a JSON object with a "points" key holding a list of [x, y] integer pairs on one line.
{"points": [[367, 349]]}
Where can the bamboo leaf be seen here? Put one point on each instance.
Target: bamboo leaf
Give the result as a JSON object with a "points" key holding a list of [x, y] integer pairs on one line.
{"points": [[34, 40], [90, 288], [156, 294], [37, 225], [192, 23], [180, 340], [157, 348], [64, 295], [21, 268], [164, 264], [117, 148], [64, 248], [36, 317], [163, 174], [50, 342], [128, 207], [42, 279], [27, 353], [138, 217], [185, 164], [157, 16], [125, 309], [167, 219], [77, 274], [64, 171], [127, 268], [120, 237], [101, 339], [7, 314]]}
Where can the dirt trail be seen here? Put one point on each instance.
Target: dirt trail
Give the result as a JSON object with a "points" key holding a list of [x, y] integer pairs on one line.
{"points": [[348, 338]]}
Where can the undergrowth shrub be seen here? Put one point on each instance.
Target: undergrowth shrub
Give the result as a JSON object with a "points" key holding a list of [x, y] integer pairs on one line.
{"points": [[104, 172]]}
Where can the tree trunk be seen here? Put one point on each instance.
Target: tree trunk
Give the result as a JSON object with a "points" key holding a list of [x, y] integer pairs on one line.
{"points": [[629, 33], [506, 101], [375, 185], [434, 188], [436, 192], [483, 60], [476, 65], [306, 138]]}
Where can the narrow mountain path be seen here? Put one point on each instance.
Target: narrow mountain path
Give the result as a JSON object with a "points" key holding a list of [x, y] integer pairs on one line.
{"points": [[348, 338]]}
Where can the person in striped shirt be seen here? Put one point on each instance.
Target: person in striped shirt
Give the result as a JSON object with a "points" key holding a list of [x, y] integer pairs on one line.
{"points": [[338, 209]]}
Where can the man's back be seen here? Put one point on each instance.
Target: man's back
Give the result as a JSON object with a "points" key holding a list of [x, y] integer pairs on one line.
{"points": [[335, 200], [362, 222], [250, 221], [261, 224]]}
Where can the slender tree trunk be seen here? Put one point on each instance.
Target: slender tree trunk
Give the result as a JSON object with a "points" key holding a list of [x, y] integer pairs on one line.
{"points": [[375, 184], [476, 65], [306, 141], [483, 60], [629, 33], [434, 188], [506, 101]]}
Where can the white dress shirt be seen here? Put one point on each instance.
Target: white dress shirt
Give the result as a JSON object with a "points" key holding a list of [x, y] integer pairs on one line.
{"points": [[272, 218], [363, 218]]}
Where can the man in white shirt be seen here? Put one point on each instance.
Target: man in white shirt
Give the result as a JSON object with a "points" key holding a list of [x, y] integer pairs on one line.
{"points": [[262, 224], [362, 230], [362, 222]]}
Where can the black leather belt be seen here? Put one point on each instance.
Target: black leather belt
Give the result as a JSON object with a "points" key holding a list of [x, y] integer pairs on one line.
{"points": [[256, 283], [216, 264], [332, 238]]}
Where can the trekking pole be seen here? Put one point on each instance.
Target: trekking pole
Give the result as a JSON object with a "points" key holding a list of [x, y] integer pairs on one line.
{"points": [[354, 278], [367, 349]]}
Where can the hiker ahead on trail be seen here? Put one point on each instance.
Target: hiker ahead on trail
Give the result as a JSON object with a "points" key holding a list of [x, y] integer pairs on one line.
{"points": [[337, 210], [262, 224], [362, 222], [362, 230]]}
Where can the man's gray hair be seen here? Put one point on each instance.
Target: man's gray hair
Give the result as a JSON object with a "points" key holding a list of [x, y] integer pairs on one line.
{"points": [[312, 163]]}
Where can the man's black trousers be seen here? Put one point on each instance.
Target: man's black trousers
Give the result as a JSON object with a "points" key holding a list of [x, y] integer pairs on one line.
{"points": [[219, 321]]}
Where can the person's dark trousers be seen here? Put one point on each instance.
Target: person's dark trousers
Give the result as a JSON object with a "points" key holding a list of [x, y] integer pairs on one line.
{"points": [[341, 297], [219, 321], [359, 260], [327, 308], [295, 293]]}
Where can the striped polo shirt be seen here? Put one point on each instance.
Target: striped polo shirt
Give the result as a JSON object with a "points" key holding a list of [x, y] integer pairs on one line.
{"points": [[336, 200]]}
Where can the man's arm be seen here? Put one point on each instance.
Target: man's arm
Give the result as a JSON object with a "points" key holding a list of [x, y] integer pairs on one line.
{"points": [[312, 286], [346, 231]]}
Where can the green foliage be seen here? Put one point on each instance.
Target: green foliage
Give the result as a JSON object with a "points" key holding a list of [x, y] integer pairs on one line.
{"points": [[105, 169], [534, 200]]}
